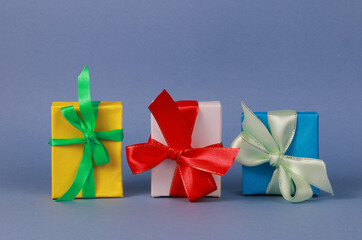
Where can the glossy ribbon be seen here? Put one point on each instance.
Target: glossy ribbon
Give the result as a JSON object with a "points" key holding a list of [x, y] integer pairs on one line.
{"points": [[293, 176], [93, 148], [193, 174]]}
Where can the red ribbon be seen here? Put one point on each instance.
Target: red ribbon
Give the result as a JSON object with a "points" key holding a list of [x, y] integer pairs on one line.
{"points": [[195, 166]]}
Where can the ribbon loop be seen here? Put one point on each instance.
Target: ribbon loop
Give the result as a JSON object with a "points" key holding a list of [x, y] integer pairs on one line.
{"points": [[282, 126], [100, 153], [195, 166], [293, 176], [93, 148]]}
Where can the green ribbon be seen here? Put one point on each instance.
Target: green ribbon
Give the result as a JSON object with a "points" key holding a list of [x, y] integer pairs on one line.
{"points": [[293, 176], [93, 148]]}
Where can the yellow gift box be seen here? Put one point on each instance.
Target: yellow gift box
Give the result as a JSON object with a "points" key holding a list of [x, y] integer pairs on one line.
{"points": [[66, 159]]}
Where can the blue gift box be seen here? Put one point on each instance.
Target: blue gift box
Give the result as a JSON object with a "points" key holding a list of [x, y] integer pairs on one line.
{"points": [[304, 144]]}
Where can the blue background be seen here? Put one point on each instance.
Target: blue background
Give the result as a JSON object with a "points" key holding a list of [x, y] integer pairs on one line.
{"points": [[302, 55]]}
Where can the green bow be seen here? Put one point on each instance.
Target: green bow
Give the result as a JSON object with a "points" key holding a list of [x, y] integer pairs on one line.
{"points": [[293, 176], [84, 179]]}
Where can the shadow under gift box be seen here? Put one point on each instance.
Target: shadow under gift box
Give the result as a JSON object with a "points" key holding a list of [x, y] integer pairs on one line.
{"points": [[66, 159], [207, 131], [255, 180]]}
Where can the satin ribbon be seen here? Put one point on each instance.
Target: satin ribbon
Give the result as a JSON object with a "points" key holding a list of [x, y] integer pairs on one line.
{"points": [[293, 176], [193, 174], [93, 148]]}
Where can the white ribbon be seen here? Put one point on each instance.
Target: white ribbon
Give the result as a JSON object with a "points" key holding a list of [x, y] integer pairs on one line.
{"points": [[293, 176]]}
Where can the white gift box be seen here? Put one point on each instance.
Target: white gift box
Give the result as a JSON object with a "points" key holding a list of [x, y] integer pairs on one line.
{"points": [[207, 131]]}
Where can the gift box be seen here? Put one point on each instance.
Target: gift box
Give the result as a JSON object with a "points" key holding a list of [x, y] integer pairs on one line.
{"points": [[255, 180], [209, 117], [66, 159], [184, 151], [279, 154], [86, 147]]}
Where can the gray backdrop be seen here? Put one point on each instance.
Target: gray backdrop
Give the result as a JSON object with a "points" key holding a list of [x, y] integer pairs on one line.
{"points": [[302, 55]]}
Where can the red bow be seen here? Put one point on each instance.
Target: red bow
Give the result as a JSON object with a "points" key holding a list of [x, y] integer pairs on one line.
{"points": [[195, 166]]}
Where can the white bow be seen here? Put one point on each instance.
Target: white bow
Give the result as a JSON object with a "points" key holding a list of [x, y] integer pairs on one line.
{"points": [[293, 176]]}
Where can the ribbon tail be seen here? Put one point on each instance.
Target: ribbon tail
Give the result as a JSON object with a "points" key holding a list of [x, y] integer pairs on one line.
{"points": [[88, 190], [171, 122], [311, 170], [254, 127], [197, 183], [177, 186], [273, 186], [84, 97], [84, 169]]}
